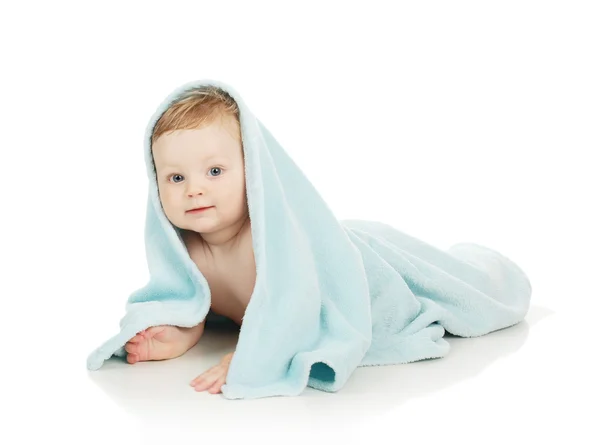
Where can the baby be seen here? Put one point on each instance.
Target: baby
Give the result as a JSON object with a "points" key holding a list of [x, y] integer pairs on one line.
{"points": [[199, 165]]}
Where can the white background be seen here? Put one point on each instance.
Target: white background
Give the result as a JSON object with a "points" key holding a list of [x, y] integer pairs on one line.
{"points": [[454, 121]]}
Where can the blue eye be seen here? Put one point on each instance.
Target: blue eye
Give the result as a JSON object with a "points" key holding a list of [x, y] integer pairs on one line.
{"points": [[211, 170]]}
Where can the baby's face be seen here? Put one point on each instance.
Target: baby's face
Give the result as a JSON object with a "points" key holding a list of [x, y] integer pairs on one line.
{"points": [[202, 168]]}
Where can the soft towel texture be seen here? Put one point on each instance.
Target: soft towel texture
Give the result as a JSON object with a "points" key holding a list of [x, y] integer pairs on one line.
{"points": [[330, 295]]}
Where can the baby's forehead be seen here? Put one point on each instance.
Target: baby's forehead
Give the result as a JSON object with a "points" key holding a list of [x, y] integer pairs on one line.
{"points": [[167, 156]]}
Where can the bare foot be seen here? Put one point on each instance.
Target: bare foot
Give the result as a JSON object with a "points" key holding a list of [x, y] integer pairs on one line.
{"points": [[162, 343]]}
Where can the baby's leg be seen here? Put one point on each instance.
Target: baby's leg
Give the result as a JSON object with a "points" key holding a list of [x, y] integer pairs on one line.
{"points": [[162, 342]]}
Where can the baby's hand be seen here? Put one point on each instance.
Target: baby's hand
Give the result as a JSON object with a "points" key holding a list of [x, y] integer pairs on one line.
{"points": [[214, 378]]}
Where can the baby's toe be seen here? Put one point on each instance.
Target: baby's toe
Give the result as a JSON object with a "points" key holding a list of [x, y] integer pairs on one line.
{"points": [[138, 338], [131, 347]]}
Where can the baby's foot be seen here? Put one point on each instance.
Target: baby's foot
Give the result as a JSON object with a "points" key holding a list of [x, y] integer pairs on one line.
{"points": [[162, 343]]}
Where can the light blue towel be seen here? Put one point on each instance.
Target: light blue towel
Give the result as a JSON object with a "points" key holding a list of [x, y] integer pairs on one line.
{"points": [[330, 295]]}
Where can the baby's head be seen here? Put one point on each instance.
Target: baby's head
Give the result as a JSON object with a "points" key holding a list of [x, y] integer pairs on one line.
{"points": [[198, 161]]}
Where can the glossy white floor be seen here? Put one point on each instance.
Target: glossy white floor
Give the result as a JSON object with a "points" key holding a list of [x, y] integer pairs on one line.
{"points": [[534, 381]]}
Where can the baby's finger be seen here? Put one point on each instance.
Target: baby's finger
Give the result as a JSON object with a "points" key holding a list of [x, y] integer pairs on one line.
{"points": [[205, 380], [206, 374], [205, 384], [216, 387], [198, 379]]}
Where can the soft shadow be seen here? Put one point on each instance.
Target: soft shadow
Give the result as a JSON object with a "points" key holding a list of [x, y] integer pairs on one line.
{"points": [[374, 390], [158, 392]]}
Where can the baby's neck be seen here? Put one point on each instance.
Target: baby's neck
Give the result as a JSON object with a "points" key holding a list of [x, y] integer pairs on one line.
{"points": [[224, 243]]}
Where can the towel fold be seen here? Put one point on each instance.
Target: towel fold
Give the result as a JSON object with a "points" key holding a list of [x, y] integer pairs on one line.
{"points": [[330, 295]]}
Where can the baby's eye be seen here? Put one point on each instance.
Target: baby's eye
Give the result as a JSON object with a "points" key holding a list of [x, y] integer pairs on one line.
{"points": [[218, 169]]}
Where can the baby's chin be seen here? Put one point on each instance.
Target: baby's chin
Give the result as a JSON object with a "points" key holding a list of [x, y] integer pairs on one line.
{"points": [[202, 226], [195, 226]]}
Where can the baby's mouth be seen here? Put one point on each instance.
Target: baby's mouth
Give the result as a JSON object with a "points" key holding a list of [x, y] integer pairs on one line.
{"points": [[199, 209]]}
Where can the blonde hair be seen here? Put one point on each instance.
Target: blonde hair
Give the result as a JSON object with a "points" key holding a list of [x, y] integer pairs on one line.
{"points": [[195, 108]]}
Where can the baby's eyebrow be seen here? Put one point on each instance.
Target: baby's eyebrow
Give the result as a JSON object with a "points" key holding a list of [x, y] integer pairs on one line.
{"points": [[220, 157]]}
